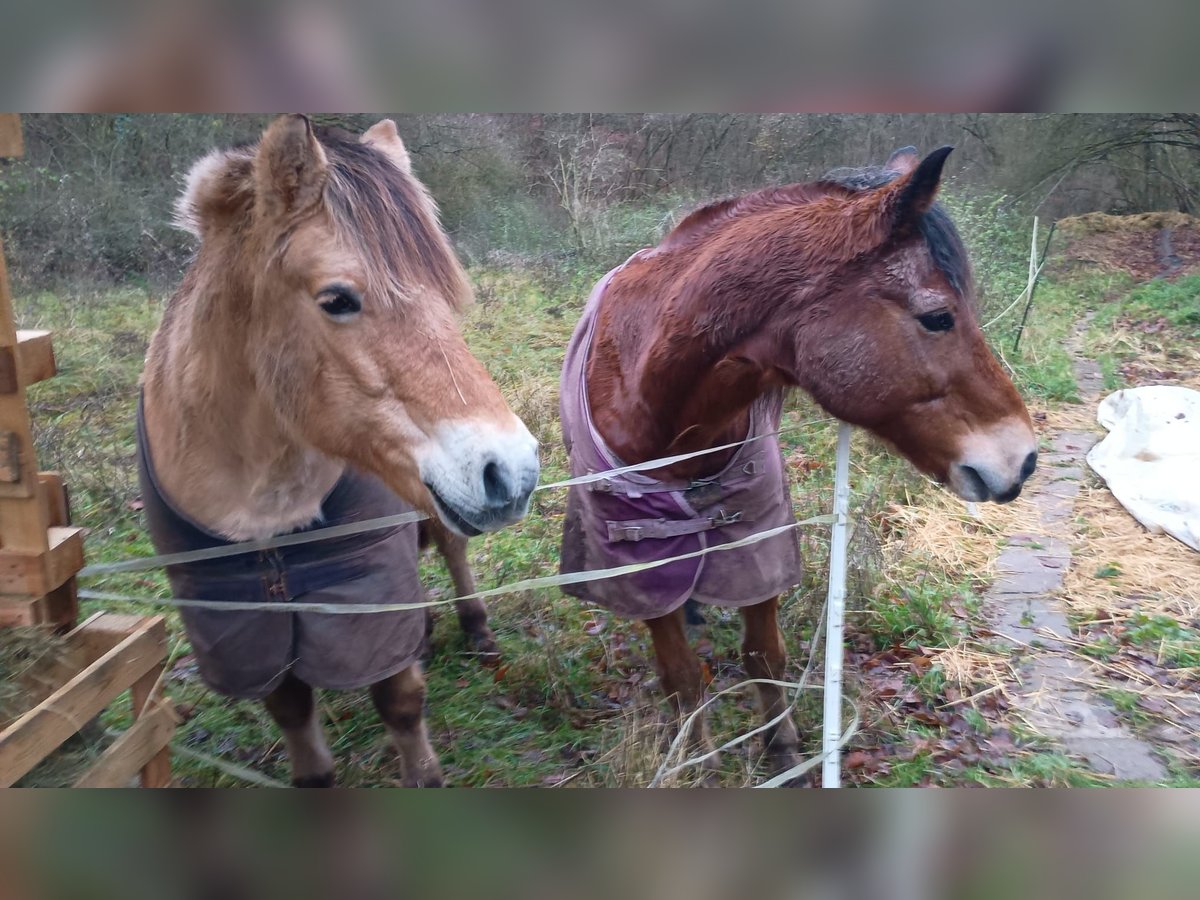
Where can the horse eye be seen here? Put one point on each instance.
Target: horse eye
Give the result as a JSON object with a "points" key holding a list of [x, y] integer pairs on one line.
{"points": [[937, 321], [340, 302]]}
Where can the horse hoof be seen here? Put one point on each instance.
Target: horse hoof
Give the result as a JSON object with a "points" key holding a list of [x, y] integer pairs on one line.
{"points": [[780, 761], [324, 780], [485, 649]]}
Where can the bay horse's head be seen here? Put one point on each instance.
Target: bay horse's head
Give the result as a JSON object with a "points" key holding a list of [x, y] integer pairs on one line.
{"points": [[350, 322], [895, 332]]}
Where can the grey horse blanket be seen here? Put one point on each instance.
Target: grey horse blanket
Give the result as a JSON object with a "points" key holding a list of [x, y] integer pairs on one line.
{"points": [[247, 654], [634, 518]]}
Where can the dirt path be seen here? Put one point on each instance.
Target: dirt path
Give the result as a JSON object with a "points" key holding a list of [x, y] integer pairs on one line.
{"points": [[1055, 694]]}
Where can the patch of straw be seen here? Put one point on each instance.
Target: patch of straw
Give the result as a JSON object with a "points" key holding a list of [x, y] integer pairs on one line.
{"points": [[962, 539], [22, 649], [1102, 223], [1071, 417], [968, 666], [1120, 568]]}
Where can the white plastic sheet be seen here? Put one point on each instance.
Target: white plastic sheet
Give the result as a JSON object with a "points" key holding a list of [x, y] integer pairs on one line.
{"points": [[1151, 457]]}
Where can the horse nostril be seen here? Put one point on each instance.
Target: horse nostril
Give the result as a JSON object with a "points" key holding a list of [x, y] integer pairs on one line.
{"points": [[978, 486], [496, 486], [1028, 466]]}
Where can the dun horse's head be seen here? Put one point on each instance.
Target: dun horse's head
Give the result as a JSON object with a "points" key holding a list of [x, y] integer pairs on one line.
{"points": [[901, 350], [351, 321]]}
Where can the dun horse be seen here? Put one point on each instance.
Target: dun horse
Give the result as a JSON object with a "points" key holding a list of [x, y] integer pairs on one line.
{"points": [[309, 372], [855, 289]]}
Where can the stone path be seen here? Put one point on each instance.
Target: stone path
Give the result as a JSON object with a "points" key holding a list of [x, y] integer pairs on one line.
{"points": [[1053, 695]]}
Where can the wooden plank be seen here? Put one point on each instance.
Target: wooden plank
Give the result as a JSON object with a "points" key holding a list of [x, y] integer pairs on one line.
{"points": [[19, 612], [10, 457], [37, 574], [58, 609], [31, 361], [62, 603], [9, 373], [22, 520], [106, 631], [137, 749], [64, 557], [55, 499], [11, 143], [35, 356], [27, 741], [145, 695]]}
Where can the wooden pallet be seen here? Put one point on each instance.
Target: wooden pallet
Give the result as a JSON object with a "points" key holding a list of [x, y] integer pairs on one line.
{"points": [[100, 659], [40, 554]]}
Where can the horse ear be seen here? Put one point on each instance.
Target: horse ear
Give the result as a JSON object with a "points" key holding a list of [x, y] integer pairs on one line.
{"points": [[290, 168], [219, 187], [384, 138], [915, 193], [903, 161]]}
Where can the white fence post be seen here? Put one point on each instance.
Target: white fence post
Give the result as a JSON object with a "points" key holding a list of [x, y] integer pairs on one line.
{"points": [[836, 613]]}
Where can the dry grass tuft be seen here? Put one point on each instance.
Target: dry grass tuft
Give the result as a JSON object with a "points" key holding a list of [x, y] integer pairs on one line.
{"points": [[21, 651], [1102, 223]]}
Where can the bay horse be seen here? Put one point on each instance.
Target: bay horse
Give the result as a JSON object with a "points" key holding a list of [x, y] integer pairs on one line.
{"points": [[310, 371], [856, 289]]}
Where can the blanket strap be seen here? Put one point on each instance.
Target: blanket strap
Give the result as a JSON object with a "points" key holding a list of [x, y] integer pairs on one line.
{"points": [[651, 529]]}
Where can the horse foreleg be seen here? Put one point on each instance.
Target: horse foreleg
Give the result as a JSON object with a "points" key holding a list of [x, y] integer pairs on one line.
{"points": [[765, 656], [400, 700], [292, 707], [682, 678], [472, 614]]}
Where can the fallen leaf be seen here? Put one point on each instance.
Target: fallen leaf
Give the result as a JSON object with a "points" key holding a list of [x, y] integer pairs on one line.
{"points": [[856, 760]]}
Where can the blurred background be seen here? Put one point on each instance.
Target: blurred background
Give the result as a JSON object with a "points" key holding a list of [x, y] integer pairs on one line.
{"points": [[885, 846], [820, 55]]}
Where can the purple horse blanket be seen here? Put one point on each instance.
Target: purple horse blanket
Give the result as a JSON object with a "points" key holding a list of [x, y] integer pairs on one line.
{"points": [[633, 518]]}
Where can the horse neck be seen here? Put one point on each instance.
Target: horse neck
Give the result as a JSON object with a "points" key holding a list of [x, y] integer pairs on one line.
{"points": [[676, 368], [221, 453]]}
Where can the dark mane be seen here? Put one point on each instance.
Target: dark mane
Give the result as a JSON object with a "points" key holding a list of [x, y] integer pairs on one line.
{"points": [[945, 246], [389, 218]]}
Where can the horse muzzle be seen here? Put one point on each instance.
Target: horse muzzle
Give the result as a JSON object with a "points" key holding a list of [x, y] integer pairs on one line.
{"points": [[481, 476], [995, 463]]}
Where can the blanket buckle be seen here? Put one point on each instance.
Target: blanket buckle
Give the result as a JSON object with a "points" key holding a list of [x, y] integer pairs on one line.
{"points": [[723, 518]]}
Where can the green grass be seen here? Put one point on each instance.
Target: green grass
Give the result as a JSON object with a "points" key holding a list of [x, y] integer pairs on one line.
{"points": [[1175, 644], [1113, 379], [919, 615], [1177, 303], [1036, 769]]}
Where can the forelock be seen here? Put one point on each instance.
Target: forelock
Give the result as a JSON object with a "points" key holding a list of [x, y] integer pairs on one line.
{"points": [[389, 219]]}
